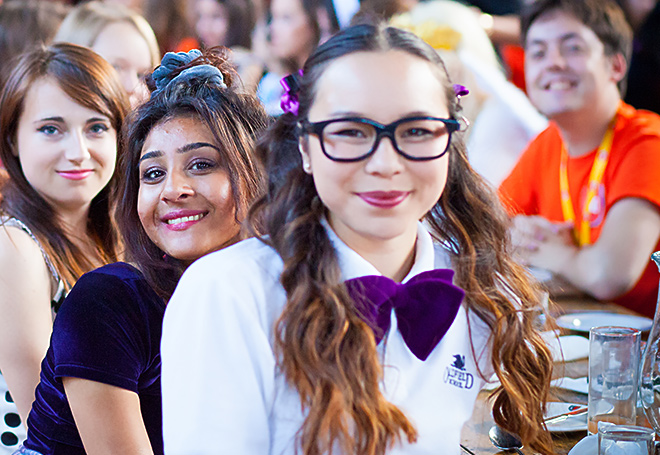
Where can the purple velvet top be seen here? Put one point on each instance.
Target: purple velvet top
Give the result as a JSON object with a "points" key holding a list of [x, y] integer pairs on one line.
{"points": [[107, 330]]}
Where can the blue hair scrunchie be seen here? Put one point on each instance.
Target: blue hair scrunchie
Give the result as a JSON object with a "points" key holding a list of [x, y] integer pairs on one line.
{"points": [[162, 75]]}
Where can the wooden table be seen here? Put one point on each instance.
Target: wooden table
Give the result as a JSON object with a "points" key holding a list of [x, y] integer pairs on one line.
{"points": [[475, 433]]}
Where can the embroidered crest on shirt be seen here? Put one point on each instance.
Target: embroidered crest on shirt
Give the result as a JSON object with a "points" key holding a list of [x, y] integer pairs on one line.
{"points": [[456, 375]]}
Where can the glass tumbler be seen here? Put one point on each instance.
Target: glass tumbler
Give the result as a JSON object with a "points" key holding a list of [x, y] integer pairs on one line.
{"points": [[614, 359], [625, 440]]}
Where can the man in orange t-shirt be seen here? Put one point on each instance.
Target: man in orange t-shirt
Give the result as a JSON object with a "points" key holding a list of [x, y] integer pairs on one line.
{"points": [[585, 196]]}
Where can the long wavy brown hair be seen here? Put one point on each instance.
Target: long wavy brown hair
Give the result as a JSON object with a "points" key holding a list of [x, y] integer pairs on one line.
{"points": [[325, 349], [91, 82], [234, 119]]}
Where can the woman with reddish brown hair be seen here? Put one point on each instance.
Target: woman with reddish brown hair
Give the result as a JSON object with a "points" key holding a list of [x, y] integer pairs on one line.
{"points": [[383, 294], [62, 109]]}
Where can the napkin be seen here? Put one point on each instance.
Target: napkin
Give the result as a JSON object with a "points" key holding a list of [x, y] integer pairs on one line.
{"points": [[541, 275], [576, 385], [566, 348]]}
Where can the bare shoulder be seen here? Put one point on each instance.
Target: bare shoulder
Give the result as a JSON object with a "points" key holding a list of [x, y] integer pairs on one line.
{"points": [[20, 258]]}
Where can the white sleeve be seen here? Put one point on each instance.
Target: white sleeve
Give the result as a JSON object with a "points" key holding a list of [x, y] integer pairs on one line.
{"points": [[217, 363]]}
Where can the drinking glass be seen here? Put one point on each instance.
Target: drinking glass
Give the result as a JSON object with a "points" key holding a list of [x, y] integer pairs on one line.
{"points": [[649, 388], [614, 357], [625, 440]]}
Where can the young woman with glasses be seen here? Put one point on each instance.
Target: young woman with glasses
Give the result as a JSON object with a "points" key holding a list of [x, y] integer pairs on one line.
{"points": [[382, 296]]}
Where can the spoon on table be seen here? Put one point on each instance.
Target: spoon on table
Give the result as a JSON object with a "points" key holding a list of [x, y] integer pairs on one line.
{"points": [[504, 440]]}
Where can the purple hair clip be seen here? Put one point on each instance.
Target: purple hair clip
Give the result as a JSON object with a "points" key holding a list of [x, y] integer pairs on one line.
{"points": [[460, 91], [289, 100]]}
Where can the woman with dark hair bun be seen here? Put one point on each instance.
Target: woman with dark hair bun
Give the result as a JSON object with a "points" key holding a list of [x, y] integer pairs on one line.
{"points": [[383, 293], [188, 176], [60, 112]]}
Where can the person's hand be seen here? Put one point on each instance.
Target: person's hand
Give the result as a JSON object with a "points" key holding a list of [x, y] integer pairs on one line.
{"points": [[542, 243], [529, 231]]}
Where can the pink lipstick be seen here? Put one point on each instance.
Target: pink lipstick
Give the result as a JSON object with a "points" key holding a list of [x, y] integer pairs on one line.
{"points": [[180, 220], [384, 199], [78, 174]]}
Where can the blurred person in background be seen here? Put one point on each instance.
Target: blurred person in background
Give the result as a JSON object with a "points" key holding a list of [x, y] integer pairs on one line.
{"points": [[171, 22], [135, 5], [23, 24], [297, 27], [119, 35], [585, 194], [383, 9], [224, 22], [230, 23]]}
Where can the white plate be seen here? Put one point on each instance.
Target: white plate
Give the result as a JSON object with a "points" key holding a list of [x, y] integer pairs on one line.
{"points": [[586, 446], [571, 423], [541, 275], [583, 322], [566, 348]]}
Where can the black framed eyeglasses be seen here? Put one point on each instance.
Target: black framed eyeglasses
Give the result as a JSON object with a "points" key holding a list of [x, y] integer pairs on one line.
{"points": [[356, 138]]}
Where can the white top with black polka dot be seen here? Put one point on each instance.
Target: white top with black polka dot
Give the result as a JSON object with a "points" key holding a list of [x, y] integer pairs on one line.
{"points": [[12, 431]]}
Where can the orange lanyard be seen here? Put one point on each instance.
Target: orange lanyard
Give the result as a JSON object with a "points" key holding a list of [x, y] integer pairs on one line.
{"points": [[582, 233]]}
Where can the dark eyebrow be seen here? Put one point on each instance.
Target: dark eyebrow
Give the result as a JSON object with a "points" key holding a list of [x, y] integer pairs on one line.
{"points": [[348, 114], [186, 148], [50, 119], [342, 114], [570, 36], [98, 119], [149, 155], [565, 37], [61, 119], [196, 145], [422, 114]]}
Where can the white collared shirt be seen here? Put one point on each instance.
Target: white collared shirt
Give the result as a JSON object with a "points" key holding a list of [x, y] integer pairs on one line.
{"points": [[223, 393]]}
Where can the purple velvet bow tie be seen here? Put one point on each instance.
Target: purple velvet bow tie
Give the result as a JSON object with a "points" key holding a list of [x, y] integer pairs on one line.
{"points": [[425, 306]]}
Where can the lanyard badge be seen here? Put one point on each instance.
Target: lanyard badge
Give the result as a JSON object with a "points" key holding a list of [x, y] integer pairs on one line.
{"points": [[582, 231]]}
